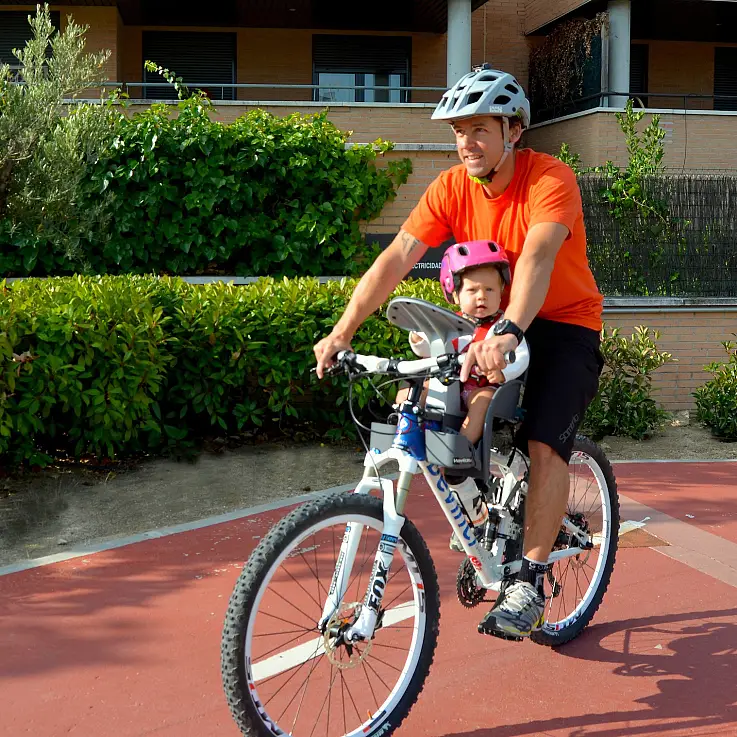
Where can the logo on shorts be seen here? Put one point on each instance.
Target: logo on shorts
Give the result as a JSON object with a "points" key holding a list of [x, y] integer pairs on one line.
{"points": [[570, 429]]}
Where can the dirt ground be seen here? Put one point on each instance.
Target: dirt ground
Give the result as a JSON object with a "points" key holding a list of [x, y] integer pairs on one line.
{"points": [[57, 509]]}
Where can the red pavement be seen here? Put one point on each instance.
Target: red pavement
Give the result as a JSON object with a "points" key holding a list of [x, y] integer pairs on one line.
{"points": [[126, 643]]}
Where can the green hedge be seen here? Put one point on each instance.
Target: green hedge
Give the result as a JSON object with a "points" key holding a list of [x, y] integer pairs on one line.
{"points": [[112, 366], [118, 365], [179, 193]]}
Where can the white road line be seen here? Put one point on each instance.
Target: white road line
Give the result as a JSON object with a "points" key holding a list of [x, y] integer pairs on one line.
{"points": [[314, 648]]}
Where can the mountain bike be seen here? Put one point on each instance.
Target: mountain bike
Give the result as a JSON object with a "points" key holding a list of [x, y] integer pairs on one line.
{"points": [[332, 626]]}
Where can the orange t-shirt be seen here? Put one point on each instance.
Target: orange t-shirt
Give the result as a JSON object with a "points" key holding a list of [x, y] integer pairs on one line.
{"points": [[543, 189]]}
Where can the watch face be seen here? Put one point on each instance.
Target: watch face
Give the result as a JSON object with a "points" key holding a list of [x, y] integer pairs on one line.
{"points": [[500, 327]]}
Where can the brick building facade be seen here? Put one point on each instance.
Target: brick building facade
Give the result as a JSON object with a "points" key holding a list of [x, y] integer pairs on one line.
{"points": [[690, 48]]}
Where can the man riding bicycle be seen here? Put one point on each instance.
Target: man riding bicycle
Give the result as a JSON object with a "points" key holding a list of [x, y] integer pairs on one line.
{"points": [[530, 204]]}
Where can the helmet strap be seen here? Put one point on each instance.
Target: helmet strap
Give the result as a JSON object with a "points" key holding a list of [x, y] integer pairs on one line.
{"points": [[480, 321], [508, 148]]}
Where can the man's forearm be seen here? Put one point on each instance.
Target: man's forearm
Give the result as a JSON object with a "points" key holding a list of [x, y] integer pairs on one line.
{"points": [[529, 288]]}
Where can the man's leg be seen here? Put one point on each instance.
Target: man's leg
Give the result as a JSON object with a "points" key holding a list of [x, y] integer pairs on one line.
{"points": [[557, 392], [546, 500], [547, 497]]}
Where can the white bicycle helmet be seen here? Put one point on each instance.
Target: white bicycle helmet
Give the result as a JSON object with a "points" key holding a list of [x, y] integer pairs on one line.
{"points": [[486, 91]]}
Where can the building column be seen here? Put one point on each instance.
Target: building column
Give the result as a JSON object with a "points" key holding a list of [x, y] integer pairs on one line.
{"points": [[619, 50], [459, 39]]}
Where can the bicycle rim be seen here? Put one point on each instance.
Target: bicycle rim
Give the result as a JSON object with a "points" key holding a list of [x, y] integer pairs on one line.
{"points": [[299, 684], [576, 580]]}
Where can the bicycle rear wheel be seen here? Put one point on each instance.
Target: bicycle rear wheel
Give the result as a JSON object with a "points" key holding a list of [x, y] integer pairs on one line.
{"points": [[576, 585], [281, 674]]}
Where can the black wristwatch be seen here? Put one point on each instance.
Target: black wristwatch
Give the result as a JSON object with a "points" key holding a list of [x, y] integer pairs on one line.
{"points": [[507, 327]]}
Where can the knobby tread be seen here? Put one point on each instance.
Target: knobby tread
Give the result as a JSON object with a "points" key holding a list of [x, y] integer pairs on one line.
{"points": [[260, 562], [555, 639]]}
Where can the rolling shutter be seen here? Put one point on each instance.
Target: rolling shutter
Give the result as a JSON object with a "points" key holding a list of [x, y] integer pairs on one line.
{"points": [[367, 54], [200, 59], [725, 77], [15, 31], [639, 62]]}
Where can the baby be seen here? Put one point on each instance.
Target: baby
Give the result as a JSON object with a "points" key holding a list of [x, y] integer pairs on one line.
{"points": [[473, 276]]}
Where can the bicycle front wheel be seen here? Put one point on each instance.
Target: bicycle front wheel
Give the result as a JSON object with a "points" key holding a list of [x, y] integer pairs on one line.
{"points": [[281, 675], [575, 586]]}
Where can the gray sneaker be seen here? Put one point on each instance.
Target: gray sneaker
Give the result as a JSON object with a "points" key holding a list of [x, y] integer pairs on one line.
{"points": [[517, 614]]}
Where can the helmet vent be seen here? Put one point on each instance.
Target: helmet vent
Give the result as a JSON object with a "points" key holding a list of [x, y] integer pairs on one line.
{"points": [[462, 250], [488, 77], [493, 247], [511, 88], [502, 100], [474, 97]]}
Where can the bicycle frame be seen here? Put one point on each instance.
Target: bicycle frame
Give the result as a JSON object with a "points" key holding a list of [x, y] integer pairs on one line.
{"points": [[409, 452]]}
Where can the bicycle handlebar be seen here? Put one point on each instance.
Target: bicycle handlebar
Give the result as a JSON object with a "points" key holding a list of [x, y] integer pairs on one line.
{"points": [[518, 359]]}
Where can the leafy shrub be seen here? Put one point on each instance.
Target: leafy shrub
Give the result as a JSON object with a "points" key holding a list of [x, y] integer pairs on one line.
{"points": [[716, 401], [116, 365], [47, 149], [624, 404], [263, 195], [169, 190]]}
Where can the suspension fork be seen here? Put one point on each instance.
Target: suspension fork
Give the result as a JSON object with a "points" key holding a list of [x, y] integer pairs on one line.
{"points": [[393, 521]]}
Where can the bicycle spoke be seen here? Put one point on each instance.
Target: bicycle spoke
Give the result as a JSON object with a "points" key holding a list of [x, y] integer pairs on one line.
{"points": [[326, 699], [386, 606], [279, 646], [389, 665], [304, 693], [392, 647], [373, 670], [293, 605], [294, 695], [317, 603], [371, 688], [294, 624], [276, 675], [350, 696]]}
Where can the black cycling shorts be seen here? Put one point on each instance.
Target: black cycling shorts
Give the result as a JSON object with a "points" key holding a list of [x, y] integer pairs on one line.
{"points": [[563, 378]]}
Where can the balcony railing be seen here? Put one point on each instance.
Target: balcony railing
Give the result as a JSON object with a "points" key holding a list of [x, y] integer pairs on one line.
{"points": [[689, 100], [211, 90]]}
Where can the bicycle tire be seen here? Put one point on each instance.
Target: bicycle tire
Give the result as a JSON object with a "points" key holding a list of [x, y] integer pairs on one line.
{"points": [[551, 634], [293, 527]]}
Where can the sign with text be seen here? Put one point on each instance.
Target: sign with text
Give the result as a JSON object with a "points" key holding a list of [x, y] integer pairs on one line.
{"points": [[428, 267]]}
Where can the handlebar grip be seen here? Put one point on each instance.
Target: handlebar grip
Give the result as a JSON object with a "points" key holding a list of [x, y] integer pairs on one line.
{"points": [[509, 357]]}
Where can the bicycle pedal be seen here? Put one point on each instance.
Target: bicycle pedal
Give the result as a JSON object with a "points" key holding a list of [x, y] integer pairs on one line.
{"points": [[497, 633]]}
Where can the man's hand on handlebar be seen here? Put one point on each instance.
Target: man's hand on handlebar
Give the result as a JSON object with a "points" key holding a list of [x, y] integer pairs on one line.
{"points": [[326, 350], [488, 355]]}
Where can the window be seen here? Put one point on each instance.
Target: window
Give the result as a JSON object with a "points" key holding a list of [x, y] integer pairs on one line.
{"points": [[725, 77], [347, 61], [639, 62], [15, 31], [202, 60]]}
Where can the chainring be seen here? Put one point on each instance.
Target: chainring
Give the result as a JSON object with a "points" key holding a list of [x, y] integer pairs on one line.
{"points": [[469, 594]]}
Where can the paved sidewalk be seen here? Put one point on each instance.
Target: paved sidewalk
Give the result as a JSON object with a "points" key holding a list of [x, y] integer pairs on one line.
{"points": [[125, 642]]}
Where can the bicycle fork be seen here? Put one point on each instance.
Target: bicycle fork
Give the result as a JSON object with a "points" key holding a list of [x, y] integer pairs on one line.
{"points": [[363, 628]]}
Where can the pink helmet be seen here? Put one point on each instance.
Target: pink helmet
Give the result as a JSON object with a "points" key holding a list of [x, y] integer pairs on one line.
{"points": [[463, 256]]}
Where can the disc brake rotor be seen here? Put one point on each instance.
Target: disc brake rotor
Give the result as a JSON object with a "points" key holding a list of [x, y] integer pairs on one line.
{"points": [[334, 644]]}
